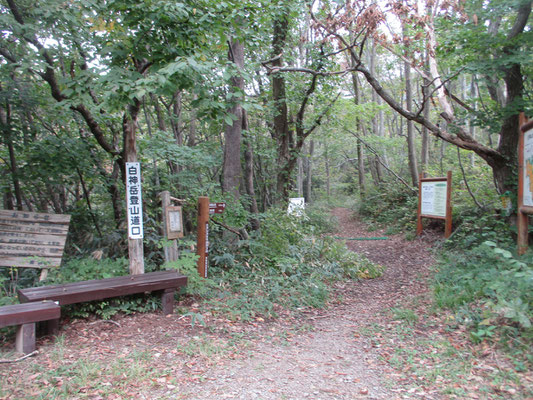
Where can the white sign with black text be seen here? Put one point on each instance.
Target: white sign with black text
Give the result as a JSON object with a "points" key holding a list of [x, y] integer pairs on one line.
{"points": [[134, 200]]}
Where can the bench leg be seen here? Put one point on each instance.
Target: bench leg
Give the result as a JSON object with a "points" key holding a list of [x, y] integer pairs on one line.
{"points": [[25, 340], [167, 301]]}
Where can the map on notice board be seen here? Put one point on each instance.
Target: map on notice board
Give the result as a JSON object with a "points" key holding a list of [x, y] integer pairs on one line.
{"points": [[527, 198]]}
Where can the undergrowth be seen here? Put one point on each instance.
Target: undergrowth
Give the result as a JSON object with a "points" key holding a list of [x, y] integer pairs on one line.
{"points": [[393, 208], [289, 264]]}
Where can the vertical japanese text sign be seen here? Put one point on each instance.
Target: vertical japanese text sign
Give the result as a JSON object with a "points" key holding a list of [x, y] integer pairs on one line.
{"points": [[134, 200]]}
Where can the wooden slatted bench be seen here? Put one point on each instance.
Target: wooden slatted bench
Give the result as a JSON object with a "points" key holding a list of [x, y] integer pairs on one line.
{"points": [[165, 282], [25, 316]]}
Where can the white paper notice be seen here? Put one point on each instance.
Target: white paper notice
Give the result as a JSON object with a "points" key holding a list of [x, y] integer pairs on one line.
{"points": [[433, 201]]}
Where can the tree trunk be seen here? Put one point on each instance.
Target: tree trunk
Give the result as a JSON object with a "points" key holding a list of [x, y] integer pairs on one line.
{"points": [[413, 168], [281, 132], [249, 176], [5, 120], [300, 177], [308, 173], [360, 155], [375, 119], [231, 173], [326, 161], [361, 169], [424, 159]]}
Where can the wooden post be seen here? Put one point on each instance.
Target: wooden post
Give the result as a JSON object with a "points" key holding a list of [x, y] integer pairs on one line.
{"points": [[202, 246], [171, 252], [419, 226], [448, 221]]}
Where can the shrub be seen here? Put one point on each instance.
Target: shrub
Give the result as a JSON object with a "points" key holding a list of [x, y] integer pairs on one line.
{"points": [[286, 265], [394, 206], [491, 290]]}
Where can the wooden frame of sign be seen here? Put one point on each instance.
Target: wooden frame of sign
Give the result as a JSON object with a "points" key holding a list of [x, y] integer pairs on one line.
{"points": [[525, 170], [434, 201]]}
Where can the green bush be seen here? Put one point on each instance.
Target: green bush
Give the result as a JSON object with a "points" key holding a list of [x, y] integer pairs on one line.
{"points": [[491, 290], [393, 206], [284, 266]]}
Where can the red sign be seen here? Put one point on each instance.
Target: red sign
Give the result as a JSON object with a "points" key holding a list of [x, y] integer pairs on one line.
{"points": [[217, 208]]}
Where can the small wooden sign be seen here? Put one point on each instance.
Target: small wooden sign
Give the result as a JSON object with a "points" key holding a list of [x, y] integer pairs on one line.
{"points": [[434, 201], [174, 222], [217, 208]]}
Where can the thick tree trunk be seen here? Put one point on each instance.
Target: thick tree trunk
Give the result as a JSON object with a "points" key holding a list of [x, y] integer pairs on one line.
{"points": [[231, 173], [281, 132]]}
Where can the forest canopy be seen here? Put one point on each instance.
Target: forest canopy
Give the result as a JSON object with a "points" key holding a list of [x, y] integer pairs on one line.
{"points": [[254, 101]]}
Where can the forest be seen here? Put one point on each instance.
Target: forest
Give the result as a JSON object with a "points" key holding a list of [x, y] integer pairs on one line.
{"points": [[252, 102]]}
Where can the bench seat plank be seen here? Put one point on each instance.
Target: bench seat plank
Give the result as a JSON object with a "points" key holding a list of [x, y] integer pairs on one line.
{"points": [[99, 289], [18, 314]]}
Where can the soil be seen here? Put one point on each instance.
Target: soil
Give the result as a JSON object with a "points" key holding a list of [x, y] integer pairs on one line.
{"points": [[332, 353]]}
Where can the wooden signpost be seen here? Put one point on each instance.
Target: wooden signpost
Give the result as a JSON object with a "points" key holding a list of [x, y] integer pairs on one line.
{"points": [[525, 181], [434, 201], [202, 247]]}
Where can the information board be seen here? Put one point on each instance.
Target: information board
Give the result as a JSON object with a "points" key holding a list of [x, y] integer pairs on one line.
{"points": [[174, 222], [433, 201], [527, 194], [134, 200]]}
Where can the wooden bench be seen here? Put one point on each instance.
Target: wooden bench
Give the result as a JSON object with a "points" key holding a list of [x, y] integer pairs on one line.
{"points": [[165, 282], [32, 240], [25, 316]]}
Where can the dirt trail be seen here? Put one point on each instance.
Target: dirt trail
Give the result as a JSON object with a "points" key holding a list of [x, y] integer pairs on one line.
{"points": [[331, 360]]}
